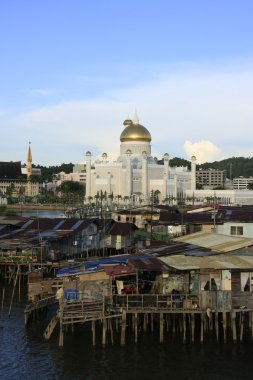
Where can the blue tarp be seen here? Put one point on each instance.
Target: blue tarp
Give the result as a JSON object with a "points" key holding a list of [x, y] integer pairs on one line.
{"points": [[94, 265]]}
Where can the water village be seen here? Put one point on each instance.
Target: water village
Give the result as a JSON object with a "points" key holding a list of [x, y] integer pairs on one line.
{"points": [[178, 273]]}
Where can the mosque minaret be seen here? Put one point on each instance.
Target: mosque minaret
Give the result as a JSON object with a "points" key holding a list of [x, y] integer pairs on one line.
{"points": [[135, 174]]}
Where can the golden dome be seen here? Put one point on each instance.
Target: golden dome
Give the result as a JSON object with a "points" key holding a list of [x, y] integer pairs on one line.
{"points": [[135, 132]]}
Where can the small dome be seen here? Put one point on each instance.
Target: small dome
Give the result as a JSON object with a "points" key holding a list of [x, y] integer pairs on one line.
{"points": [[127, 122], [134, 132]]}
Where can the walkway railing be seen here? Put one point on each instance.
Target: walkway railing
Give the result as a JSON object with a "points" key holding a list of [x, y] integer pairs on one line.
{"points": [[152, 302]]}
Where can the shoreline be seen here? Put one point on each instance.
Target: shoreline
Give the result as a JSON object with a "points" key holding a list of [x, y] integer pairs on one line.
{"points": [[31, 207]]}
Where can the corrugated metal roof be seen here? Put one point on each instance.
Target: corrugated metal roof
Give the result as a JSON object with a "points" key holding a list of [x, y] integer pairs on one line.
{"points": [[122, 229], [221, 261], [148, 264], [221, 243]]}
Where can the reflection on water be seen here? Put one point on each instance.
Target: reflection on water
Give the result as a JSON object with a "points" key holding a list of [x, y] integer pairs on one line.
{"points": [[25, 355], [43, 213]]}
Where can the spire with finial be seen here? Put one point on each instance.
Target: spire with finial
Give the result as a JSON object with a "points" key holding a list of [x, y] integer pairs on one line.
{"points": [[29, 162], [29, 155], [135, 119]]}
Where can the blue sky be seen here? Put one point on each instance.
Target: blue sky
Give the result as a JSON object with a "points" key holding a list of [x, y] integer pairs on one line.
{"points": [[72, 71]]}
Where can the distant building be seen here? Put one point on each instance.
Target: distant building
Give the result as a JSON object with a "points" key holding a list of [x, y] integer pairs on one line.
{"points": [[14, 183], [75, 177], [210, 178], [241, 183]]}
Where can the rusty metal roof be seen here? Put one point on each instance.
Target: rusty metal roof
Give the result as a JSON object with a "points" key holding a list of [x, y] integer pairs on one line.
{"points": [[122, 229], [151, 264]]}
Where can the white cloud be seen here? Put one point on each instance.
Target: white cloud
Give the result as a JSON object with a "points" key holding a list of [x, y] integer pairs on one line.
{"points": [[38, 92], [206, 108], [205, 151]]}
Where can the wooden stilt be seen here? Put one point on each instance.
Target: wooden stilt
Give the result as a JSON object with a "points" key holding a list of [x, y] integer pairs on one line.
{"points": [[217, 325], [19, 286], [241, 325], [193, 326], [167, 322], [251, 324], [93, 329], [161, 327], [111, 331], [210, 321], [104, 328], [123, 329], [133, 321], [173, 325], [184, 328], [152, 322], [224, 320], [135, 328], [201, 328], [145, 322], [61, 336], [233, 321]]}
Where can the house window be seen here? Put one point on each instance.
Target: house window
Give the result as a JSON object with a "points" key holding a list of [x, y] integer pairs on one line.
{"points": [[236, 230]]}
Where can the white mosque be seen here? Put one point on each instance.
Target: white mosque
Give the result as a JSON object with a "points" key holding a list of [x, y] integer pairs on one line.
{"points": [[135, 175]]}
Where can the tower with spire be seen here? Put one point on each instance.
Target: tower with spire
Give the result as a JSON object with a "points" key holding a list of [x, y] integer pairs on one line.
{"points": [[29, 170]]}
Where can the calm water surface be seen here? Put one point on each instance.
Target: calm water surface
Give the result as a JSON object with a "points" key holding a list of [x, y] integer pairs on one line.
{"points": [[24, 355], [43, 213]]}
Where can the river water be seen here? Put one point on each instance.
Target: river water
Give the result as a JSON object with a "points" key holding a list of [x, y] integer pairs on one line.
{"points": [[25, 355], [42, 213]]}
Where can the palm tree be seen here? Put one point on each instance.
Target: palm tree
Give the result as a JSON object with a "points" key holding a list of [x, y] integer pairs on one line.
{"points": [[90, 198], [118, 198], [126, 198], [111, 197]]}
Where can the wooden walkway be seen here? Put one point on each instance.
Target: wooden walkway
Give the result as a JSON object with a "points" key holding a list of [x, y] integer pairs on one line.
{"points": [[182, 316], [38, 305]]}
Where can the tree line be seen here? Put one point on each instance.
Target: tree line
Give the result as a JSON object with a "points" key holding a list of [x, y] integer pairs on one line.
{"points": [[234, 166]]}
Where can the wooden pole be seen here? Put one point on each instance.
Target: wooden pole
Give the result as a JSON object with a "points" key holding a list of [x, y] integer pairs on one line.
{"points": [[224, 318], [135, 328], [123, 329], [233, 321], [2, 309], [104, 328], [152, 322], [201, 328], [251, 324], [217, 325], [19, 287], [184, 328], [241, 326], [111, 330], [13, 291], [145, 322], [61, 336], [93, 329], [193, 326], [161, 327]]}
